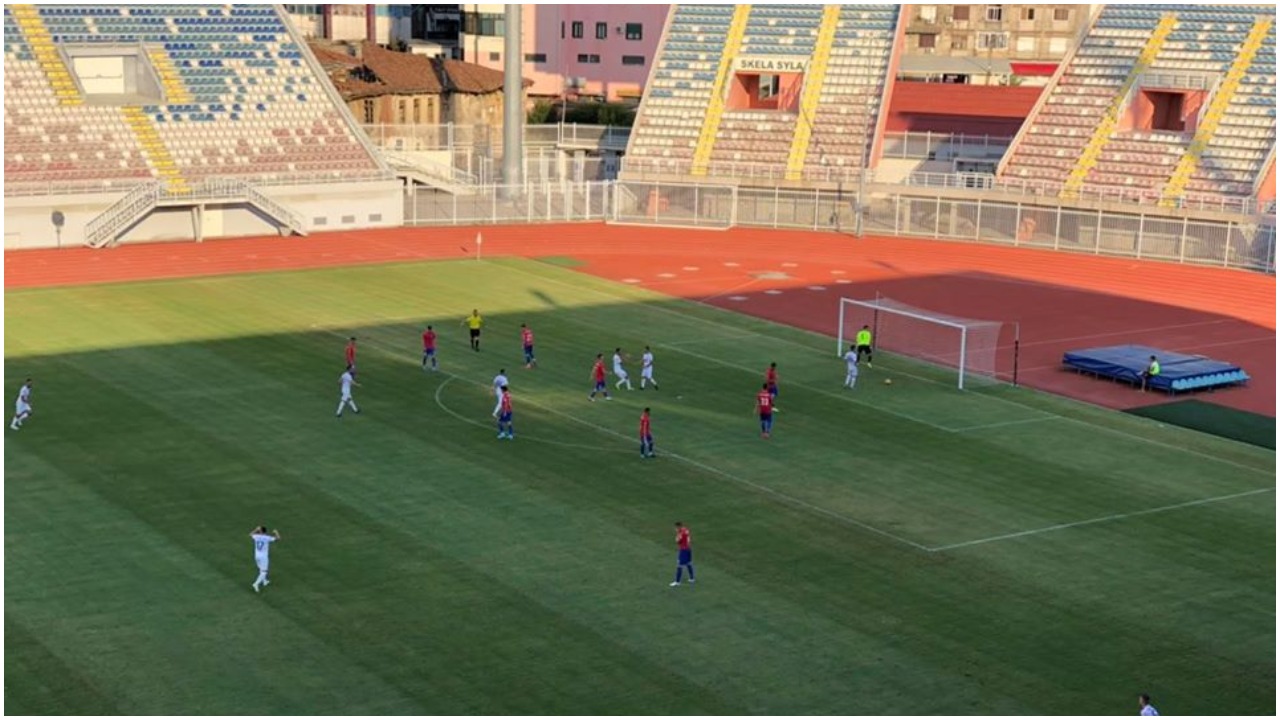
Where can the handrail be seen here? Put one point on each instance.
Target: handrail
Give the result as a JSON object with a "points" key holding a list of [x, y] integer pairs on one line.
{"points": [[1103, 193], [22, 188], [437, 170], [102, 229]]}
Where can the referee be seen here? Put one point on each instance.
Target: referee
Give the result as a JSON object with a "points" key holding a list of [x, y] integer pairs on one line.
{"points": [[863, 343], [474, 322]]}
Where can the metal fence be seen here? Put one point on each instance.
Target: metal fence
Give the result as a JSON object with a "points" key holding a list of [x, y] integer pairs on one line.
{"points": [[943, 146], [1247, 242], [498, 204]]}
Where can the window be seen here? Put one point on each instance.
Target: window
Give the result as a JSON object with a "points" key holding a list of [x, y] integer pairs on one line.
{"points": [[561, 29], [577, 29], [602, 31], [1061, 14], [535, 57], [929, 13], [1057, 46], [417, 110], [928, 41], [1029, 13], [489, 24], [632, 59], [993, 41], [1025, 44], [960, 13], [589, 59], [368, 112], [995, 13], [959, 42], [495, 57], [635, 31], [402, 111]]}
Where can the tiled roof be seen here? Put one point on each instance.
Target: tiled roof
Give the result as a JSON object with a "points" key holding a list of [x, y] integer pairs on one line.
{"points": [[378, 71], [402, 73], [471, 78]]}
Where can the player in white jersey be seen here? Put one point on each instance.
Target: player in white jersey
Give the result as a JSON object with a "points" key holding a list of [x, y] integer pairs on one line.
{"points": [[851, 367], [346, 380], [261, 548], [22, 408], [623, 378], [500, 381], [646, 369]]}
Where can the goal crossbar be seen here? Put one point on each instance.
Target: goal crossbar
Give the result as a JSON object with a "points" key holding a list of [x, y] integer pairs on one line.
{"points": [[965, 345]]}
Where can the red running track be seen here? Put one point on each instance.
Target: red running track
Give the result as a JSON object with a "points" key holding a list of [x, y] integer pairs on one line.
{"points": [[1062, 300]]}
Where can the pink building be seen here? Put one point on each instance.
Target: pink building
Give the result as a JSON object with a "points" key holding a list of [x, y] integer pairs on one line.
{"points": [[580, 50]]}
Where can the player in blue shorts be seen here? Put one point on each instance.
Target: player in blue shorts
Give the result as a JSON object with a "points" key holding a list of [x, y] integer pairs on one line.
{"points": [[503, 413]]}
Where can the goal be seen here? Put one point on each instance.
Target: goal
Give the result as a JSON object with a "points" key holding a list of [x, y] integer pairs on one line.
{"points": [[970, 347]]}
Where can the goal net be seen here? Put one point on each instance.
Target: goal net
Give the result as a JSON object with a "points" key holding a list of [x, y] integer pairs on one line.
{"points": [[970, 347]]}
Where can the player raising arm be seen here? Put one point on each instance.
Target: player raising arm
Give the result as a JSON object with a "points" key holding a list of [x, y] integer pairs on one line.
{"points": [[502, 411], [851, 367], [597, 377], [765, 409], [646, 369], [261, 549], [526, 340], [429, 348]]}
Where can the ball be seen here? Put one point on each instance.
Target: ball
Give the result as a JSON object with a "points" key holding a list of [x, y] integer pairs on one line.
{"points": [[888, 381]]}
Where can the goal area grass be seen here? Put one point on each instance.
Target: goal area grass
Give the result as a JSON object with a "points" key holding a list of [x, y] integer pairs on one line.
{"points": [[901, 548]]}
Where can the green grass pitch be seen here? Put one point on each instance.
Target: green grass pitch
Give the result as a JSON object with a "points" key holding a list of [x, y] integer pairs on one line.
{"points": [[890, 550]]}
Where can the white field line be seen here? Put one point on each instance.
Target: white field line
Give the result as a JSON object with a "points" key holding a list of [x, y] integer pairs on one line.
{"points": [[699, 341], [735, 289], [778, 495], [1007, 423], [994, 398], [1094, 521]]}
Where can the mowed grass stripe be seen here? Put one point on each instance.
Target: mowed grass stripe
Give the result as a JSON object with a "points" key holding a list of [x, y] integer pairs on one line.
{"points": [[468, 575]]}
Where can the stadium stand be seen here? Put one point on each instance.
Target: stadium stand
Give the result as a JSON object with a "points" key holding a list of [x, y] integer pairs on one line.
{"points": [[1211, 68], [233, 97], [844, 53]]}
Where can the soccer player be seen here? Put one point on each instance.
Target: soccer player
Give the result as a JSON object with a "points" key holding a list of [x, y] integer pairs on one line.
{"points": [[22, 408], [620, 371], [502, 411], [862, 343], [429, 348], [261, 547], [765, 409], [526, 339], [500, 381], [646, 369], [1145, 707], [646, 436], [684, 558], [350, 355], [597, 376], [346, 380], [851, 367], [474, 322], [771, 379]]}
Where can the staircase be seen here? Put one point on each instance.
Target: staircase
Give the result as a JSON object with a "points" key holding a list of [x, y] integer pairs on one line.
{"points": [[46, 53], [106, 229], [153, 147], [1208, 126], [175, 91], [715, 110], [1106, 128], [812, 91], [438, 175]]}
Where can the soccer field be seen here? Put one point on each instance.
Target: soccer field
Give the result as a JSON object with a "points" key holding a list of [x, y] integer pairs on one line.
{"points": [[904, 548]]}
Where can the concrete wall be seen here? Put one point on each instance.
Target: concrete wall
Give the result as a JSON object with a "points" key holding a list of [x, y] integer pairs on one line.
{"points": [[28, 224]]}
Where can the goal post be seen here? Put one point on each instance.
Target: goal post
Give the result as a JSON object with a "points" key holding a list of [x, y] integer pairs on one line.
{"points": [[970, 347]]}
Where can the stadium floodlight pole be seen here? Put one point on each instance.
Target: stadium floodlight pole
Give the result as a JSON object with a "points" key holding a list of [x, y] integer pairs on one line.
{"points": [[512, 101]]}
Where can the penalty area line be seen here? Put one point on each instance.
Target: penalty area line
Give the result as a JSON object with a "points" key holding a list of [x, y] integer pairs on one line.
{"points": [[1094, 521]]}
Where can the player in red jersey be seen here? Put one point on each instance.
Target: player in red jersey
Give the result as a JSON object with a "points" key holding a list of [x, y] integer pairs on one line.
{"points": [[646, 436], [350, 354], [771, 379], [765, 408], [429, 348], [503, 413], [526, 339], [684, 558], [597, 376]]}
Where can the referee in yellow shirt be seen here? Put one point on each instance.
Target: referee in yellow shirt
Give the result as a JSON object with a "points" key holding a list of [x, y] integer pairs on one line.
{"points": [[474, 322]]}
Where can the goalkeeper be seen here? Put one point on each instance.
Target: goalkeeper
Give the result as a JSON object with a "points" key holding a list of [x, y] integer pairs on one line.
{"points": [[862, 343]]}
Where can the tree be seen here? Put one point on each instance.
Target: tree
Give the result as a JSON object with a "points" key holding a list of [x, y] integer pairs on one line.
{"points": [[541, 112]]}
